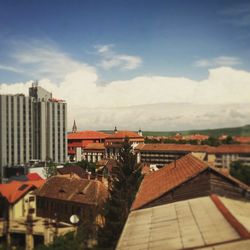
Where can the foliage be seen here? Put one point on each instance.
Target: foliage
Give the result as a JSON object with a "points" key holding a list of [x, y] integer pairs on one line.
{"points": [[122, 192], [212, 141], [240, 171], [242, 131], [49, 169], [72, 241], [229, 140]]}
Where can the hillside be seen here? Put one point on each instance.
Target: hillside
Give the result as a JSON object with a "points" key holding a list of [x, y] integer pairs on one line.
{"points": [[242, 131]]}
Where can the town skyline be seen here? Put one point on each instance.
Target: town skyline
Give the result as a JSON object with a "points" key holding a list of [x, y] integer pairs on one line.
{"points": [[169, 65]]}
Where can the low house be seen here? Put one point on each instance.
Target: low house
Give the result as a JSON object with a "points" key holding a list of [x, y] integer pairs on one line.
{"points": [[185, 178], [63, 196], [19, 223]]}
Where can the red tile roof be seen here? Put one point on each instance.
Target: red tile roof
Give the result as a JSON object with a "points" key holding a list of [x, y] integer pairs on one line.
{"points": [[123, 134], [95, 146], [89, 192], [15, 190], [34, 177], [231, 148], [173, 147], [197, 137], [171, 176], [88, 134], [242, 139]]}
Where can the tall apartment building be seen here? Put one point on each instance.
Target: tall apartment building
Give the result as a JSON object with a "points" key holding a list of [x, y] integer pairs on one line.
{"points": [[33, 127]]}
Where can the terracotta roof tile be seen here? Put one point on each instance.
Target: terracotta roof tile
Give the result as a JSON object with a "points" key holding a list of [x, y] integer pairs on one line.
{"points": [[188, 148], [171, 176], [95, 146], [123, 134], [15, 190], [173, 147], [34, 177], [232, 148], [88, 134], [72, 169], [242, 139], [83, 191]]}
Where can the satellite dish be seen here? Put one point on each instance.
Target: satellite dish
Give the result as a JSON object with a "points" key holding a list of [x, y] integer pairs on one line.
{"points": [[74, 219]]}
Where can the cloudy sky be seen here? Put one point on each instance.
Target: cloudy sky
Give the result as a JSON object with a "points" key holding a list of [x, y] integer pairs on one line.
{"points": [[155, 65]]}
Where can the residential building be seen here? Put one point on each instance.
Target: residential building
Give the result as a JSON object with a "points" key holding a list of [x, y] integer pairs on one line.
{"points": [[64, 196], [186, 178], [32, 127], [19, 223]]}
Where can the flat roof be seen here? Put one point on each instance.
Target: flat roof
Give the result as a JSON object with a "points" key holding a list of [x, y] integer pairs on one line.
{"points": [[193, 223]]}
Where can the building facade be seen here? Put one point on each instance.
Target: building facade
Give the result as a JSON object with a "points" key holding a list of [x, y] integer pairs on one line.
{"points": [[32, 127]]}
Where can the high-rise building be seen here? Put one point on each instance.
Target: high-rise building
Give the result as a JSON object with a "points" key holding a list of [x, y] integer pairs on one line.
{"points": [[33, 127]]}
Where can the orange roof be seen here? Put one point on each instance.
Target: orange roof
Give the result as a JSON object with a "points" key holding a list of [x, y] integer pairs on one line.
{"points": [[196, 137], [34, 177], [173, 147], [96, 146], [123, 134], [15, 190], [87, 134], [231, 148], [242, 139], [171, 176]]}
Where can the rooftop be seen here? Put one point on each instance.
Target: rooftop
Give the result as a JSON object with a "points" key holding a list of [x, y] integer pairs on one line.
{"points": [[89, 192], [123, 134], [95, 146], [15, 190], [230, 148], [207, 222], [87, 134], [173, 147], [156, 184]]}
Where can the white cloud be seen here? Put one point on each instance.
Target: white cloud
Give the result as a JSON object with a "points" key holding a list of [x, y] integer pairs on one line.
{"points": [[155, 102], [11, 69], [110, 59], [43, 60], [217, 61]]}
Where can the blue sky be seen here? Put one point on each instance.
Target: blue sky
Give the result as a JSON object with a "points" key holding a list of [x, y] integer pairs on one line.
{"points": [[114, 57], [168, 36]]}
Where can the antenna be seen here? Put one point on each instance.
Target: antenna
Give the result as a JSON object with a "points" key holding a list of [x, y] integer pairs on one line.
{"points": [[35, 84]]}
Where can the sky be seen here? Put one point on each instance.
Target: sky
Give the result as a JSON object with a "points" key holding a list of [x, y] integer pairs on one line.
{"points": [[154, 65]]}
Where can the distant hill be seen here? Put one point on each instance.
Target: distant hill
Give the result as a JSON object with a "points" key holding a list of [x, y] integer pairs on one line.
{"points": [[240, 131]]}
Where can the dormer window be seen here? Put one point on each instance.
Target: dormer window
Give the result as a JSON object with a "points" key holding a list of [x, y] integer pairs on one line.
{"points": [[61, 190]]}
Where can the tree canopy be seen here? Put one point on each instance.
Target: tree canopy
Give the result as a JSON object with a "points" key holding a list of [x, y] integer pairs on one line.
{"points": [[240, 171], [122, 193]]}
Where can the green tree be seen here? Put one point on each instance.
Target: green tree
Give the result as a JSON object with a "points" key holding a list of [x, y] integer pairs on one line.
{"points": [[229, 140], [49, 169], [212, 141], [240, 171], [122, 192]]}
